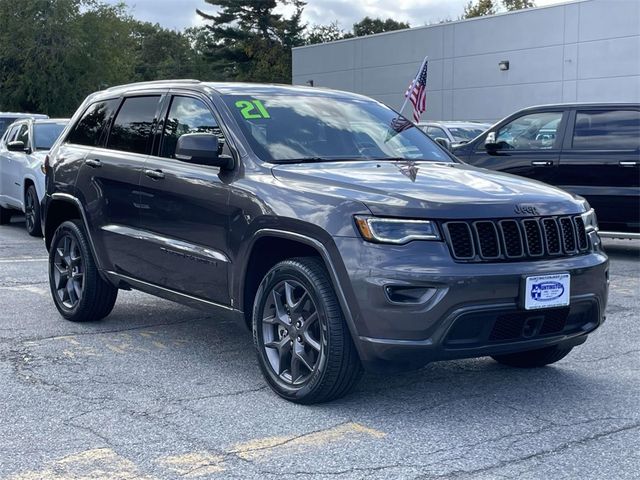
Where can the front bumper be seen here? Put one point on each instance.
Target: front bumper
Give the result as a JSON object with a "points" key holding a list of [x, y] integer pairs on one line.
{"points": [[460, 310]]}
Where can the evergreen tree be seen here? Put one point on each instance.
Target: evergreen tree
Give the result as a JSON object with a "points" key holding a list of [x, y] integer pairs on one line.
{"points": [[250, 41]]}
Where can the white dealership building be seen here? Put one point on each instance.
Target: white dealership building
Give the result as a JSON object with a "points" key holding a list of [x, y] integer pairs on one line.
{"points": [[488, 67]]}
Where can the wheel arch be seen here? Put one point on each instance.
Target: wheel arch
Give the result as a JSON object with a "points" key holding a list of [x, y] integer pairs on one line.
{"points": [[261, 256], [61, 208]]}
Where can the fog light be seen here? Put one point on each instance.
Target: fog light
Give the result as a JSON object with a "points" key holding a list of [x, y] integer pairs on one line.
{"points": [[409, 295]]}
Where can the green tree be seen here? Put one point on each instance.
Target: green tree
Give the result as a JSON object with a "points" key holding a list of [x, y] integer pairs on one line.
{"points": [[325, 33], [54, 52], [370, 26], [512, 5], [479, 9], [250, 41], [160, 53]]}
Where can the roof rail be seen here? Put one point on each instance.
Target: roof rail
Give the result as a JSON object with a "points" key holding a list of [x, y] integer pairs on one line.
{"points": [[155, 82]]}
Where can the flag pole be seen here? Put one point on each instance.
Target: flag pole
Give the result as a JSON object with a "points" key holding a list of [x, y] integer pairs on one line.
{"points": [[406, 97]]}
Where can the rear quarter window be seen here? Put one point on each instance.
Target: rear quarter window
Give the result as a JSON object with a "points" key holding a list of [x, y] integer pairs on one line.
{"points": [[607, 130], [91, 125]]}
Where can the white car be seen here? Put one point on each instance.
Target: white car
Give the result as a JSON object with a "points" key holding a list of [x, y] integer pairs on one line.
{"points": [[454, 133], [23, 149]]}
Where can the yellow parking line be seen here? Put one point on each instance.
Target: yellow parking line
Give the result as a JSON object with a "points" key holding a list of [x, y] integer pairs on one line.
{"points": [[97, 463], [196, 464], [255, 449]]}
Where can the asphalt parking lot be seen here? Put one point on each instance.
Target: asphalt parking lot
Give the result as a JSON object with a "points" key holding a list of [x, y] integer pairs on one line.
{"points": [[161, 391]]}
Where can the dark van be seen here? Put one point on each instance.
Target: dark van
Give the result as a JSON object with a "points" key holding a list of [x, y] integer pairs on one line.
{"points": [[592, 150]]}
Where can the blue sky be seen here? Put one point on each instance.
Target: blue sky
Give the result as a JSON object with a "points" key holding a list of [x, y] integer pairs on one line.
{"points": [[179, 14]]}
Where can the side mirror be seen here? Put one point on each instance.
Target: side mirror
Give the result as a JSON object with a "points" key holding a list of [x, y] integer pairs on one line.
{"points": [[16, 146], [444, 143], [201, 149], [490, 141]]}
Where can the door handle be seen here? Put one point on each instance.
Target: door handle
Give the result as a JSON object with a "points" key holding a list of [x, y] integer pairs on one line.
{"points": [[630, 163], [93, 162], [155, 174], [542, 163]]}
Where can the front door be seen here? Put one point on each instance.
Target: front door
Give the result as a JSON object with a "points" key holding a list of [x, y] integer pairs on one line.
{"points": [[7, 165], [185, 209], [16, 165], [601, 161], [528, 146]]}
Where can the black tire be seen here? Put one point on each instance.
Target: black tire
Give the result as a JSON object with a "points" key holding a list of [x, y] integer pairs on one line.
{"points": [[533, 358], [5, 215], [322, 338], [94, 298], [32, 212]]}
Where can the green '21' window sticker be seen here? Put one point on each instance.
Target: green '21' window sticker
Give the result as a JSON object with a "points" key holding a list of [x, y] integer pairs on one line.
{"points": [[252, 109]]}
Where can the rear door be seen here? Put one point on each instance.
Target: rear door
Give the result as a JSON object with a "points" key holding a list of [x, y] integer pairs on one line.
{"points": [[528, 145], [601, 161], [109, 181], [184, 213]]}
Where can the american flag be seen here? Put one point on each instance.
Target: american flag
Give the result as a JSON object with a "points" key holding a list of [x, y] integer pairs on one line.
{"points": [[417, 93]]}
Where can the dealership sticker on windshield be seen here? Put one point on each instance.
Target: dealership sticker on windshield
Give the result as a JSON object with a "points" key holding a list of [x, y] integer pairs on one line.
{"points": [[547, 291], [252, 109]]}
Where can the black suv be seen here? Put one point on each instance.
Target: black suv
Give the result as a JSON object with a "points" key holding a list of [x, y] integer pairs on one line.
{"points": [[592, 150], [341, 235]]}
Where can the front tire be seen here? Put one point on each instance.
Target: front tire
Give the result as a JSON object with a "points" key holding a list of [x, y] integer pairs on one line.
{"points": [[79, 292], [304, 347], [533, 358], [32, 212]]}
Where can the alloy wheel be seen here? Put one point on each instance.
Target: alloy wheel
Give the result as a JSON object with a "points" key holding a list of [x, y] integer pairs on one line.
{"points": [[291, 332], [68, 273], [30, 211]]}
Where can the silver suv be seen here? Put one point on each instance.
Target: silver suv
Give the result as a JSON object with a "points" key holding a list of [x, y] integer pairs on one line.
{"points": [[23, 149]]}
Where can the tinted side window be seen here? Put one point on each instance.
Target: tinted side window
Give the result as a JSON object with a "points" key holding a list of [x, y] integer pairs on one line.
{"points": [[90, 127], [536, 131], [133, 125], [187, 115], [607, 129]]}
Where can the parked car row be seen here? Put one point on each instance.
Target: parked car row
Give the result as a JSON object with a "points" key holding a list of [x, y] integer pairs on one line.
{"points": [[23, 148]]}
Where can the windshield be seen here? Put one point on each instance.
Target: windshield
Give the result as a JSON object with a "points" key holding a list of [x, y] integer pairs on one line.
{"points": [[4, 124], [45, 134], [461, 134], [288, 128]]}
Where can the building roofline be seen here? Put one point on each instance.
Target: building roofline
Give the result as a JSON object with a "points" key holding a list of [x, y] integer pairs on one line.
{"points": [[444, 24]]}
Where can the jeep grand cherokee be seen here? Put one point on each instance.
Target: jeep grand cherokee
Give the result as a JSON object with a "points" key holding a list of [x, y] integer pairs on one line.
{"points": [[338, 232]]}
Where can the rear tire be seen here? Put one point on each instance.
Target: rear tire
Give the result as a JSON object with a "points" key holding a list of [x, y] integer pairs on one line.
{"points": [[5, 215], [32, 212], [79, 292], [533, 358], [304, 347]]}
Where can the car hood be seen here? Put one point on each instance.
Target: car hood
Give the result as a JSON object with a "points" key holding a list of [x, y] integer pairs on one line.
{"points": [[430, 189]]}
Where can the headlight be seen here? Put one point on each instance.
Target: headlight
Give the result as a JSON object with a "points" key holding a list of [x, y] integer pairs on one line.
{"points": [[396, 230], [590, 220]]}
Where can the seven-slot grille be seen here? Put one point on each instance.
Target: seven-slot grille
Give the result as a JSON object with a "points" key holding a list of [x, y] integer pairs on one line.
{"points": [[516, 239]]}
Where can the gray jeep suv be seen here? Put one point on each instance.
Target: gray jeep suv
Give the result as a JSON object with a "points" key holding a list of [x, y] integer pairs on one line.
{"points": [[339, 233]]}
